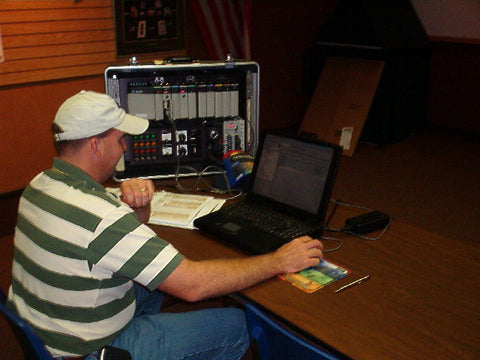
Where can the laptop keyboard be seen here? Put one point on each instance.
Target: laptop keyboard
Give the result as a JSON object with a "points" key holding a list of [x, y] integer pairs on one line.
{"points": [[270, 221]]}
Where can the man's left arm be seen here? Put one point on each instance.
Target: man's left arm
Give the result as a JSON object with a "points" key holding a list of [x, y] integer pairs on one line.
{"points": [[138, 194]]}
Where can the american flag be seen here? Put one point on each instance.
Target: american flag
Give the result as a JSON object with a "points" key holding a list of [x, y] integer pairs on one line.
{"points": [[225, 27]]}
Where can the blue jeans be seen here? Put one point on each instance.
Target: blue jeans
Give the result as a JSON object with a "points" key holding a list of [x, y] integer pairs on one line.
{"points": [[204, 334]]}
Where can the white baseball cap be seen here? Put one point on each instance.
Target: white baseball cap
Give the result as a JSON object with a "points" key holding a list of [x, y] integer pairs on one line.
{"points": [[90, 113]]}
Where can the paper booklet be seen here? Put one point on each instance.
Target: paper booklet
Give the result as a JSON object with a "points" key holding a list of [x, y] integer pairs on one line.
{"points": [[178, 210]]}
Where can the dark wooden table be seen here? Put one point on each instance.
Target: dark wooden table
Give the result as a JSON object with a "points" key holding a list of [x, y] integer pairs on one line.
{"points": [[421, 302]]}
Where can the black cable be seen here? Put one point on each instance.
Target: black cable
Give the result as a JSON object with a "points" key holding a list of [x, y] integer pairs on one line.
{"points": [[346, 229], [200, 174]]}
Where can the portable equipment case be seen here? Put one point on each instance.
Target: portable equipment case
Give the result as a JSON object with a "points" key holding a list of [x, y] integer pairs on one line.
{"points": [[198, 112]]}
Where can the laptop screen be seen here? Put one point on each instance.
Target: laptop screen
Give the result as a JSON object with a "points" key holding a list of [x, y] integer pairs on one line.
{"points": [[295, 171]]}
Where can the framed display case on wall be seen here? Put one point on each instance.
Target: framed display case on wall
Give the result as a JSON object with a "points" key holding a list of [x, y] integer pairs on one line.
{"points": [[149, 25]]}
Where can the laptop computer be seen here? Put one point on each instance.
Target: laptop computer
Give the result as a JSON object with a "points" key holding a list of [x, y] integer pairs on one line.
{"points": [[292, 180]]}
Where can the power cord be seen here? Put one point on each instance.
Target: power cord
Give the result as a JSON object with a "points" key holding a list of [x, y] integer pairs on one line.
{"points": [[200, 175], [339, 241], [358, 225], [209, 187]]}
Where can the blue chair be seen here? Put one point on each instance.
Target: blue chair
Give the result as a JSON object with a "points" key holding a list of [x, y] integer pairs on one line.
{"points": [[272, 341], [31, 344], [33, 347]]}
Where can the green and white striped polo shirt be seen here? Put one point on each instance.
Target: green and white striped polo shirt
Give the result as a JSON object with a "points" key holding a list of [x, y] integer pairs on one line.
{"points": [[77, 250]]}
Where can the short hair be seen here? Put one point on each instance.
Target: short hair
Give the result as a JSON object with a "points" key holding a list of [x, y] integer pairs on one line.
{"points": [[72, 145]]}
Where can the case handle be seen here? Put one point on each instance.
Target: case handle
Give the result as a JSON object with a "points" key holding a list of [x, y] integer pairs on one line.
{"points": [[179, 60]]}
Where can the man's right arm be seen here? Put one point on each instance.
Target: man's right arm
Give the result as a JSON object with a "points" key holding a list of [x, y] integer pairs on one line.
{"points": [[196, 280]]}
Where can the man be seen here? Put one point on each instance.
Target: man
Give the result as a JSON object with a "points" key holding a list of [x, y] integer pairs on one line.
{"points": [[86, 266]]}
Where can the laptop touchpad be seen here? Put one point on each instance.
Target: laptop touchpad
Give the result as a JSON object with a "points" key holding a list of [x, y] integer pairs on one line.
{"points": [[231, 227]]}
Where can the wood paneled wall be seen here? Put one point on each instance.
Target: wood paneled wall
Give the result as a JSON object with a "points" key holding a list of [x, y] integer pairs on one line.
{"points": [[46, 40], [53, 49], [57, 39], [26, 114]]}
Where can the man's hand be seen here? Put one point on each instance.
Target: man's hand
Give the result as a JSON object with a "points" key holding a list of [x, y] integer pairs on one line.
{"points": [[299, 254], [138, 193]]}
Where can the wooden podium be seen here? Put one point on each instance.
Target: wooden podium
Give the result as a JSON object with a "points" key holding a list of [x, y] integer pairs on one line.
{"points": [[342, 100]]}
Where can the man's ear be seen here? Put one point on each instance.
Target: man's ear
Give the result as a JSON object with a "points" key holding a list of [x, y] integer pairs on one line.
{"points": [[96, 147]]}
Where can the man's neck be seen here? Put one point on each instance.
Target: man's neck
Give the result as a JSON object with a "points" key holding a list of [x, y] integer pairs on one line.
{"points": [[85, 166]]}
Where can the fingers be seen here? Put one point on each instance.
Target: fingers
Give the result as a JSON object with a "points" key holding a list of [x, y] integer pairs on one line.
{"points": [[137, 192], [312, 261], [314, 243], [316, 253], [300, 253]]}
